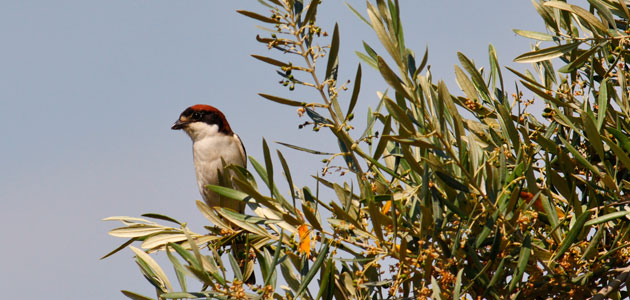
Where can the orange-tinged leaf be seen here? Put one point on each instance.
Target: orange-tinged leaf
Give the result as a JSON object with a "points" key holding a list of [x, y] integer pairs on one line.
{"points": [[386, 207], [537, 205], [305, 240], [527, 196]]}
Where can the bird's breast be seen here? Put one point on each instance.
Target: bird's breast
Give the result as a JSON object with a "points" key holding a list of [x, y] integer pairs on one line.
{"points": [[207, 155]]}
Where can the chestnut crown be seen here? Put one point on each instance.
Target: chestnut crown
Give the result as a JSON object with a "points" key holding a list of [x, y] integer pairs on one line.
{"points": [[203, 113]]}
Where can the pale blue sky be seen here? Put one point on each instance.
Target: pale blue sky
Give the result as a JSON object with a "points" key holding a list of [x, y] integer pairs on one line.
{"points": [[89, 90]]}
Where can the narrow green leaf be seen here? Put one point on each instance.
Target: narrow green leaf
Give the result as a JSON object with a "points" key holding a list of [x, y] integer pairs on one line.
{"points": [[187, 256], [495, 67], [361, 17], [523, 258], [310, 216], [604, 11], [381, 32], [317, 118], [321, 257], [136, 231], [423, 63], [582, 13], [235, 267], [287, 175], [276, 255], [534, 35], [543, 94], [344, 216], [410, 158], [391, 78], [621, 155], [155, 267], [465, 84], [488, 227], [448, 203], [607, 217], [161, 217], [624, 6], [227, 192], [264, 40], [126, 219], [268, 166], [477, 80], [546, 15], [399, 115], [135, 296], [444, 96], [334, 101], [452, 182], [367, 60], [195, 249], [256, 16], [351, 161], [123, 246], [185, 295], [282, 100], [248, 223], [529, 78], [577, 227], [580, 60], [210, 215], [370, 51], [621, 137], [180, 271], [260, 199], [458, 284], [375, 217], [498, 273], [382, 142], [270, 60], [333, 61], [591, 249], [546, 54], [262, 172], [578, 156], [286, 267], [602, 103], [327, 276], [435, 288], [507, 125], [593, 134], [161, 239], [305, 149], [311, 12], [355, 93]]}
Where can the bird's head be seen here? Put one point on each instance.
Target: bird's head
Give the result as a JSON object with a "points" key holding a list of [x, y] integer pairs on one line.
{"points": [[200, 121]]}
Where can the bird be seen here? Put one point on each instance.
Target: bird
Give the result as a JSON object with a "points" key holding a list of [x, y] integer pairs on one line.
{"points": [[214, 142], [215, 145]]}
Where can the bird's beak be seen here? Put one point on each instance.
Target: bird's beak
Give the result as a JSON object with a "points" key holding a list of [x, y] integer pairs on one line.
{"points": [[179, 125]]}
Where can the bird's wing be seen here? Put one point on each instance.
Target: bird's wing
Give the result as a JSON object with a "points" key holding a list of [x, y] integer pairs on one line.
{"points": [[242, 150]]}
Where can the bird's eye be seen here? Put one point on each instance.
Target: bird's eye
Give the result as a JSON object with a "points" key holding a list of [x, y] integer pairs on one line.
{"points": [[196, 115]]}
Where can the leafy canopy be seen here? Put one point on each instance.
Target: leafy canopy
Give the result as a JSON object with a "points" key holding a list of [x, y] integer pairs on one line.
{"points": [[446, 194]]}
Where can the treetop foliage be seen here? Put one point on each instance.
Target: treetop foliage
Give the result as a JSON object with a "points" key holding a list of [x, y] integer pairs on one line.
{"points": [[449, 193]]}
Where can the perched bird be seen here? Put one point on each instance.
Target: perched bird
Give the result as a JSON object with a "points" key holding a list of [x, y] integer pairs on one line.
{"points": [[215, 143]]}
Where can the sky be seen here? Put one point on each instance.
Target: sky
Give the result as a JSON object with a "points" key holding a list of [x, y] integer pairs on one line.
{"points": [[89, 90]]}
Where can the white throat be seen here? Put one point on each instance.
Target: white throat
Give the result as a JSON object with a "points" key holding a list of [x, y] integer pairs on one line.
{"points": [[199, 130]]}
